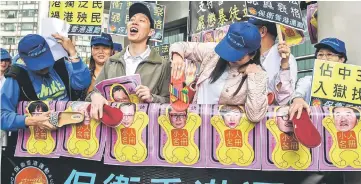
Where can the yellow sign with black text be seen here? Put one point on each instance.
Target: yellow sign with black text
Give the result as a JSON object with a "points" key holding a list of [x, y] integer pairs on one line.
{"points": [[336, 84]]}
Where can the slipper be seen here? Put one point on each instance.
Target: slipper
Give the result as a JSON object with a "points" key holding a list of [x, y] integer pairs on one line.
{"points": [[271, 98], [179, 98], [305, 132], [60, 119], [112, 116]]}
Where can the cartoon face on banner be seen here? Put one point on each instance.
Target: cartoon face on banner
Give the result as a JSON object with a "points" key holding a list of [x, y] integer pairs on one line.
{"points": [[208, 36], [343, 126], [283, 151], [34, 141], [180, 128], [220, 33], [197, 37], [83, 140], [230, 134], [130, 139], [40, 140]]}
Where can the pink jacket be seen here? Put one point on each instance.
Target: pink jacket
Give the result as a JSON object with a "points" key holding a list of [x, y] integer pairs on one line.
{"points": [[253, 94]]}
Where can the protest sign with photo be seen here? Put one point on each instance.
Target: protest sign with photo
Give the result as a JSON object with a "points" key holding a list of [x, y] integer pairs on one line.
{"points": [[292, 36], [84, 17], [206, 15], [119, 17], [312, 24], [287, 13], [336, 84]]}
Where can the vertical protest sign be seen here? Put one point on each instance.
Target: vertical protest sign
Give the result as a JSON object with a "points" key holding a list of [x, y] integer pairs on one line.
{"points": [[287, 13], [163, 51], [312, 24], [84, 17], [336, 84], [119, 17]]}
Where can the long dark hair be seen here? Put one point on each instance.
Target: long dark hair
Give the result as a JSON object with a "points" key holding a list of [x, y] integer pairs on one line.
{"points": [[92, 61], [222, 64]]}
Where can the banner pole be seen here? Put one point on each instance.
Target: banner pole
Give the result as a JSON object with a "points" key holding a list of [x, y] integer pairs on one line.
{"points": [[280, 37]]}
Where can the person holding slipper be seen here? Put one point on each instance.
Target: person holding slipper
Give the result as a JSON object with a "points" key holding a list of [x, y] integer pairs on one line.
{"points": [[230, 71], [41, 78]]}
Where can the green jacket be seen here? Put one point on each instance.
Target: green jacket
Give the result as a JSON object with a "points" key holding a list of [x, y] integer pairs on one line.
{"points": [[154, 73]]}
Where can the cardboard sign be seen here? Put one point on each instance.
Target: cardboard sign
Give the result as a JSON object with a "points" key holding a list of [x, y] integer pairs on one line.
{"points": [[336, 84], [208, 15], [119, 18], [84, 17], [287, 13]]}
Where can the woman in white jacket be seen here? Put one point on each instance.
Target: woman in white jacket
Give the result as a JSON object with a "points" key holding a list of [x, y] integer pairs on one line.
{"points": [[330, 49]]}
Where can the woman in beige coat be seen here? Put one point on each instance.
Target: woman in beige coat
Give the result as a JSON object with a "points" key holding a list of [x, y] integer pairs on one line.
{"points": [[230, 72]]}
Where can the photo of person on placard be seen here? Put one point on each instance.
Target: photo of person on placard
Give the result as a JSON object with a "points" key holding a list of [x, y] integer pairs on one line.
{"points": [[344, 128], [208, 36], [177, 119], [283, 121], [119, 94], [129, 110], [37, 108], [231, 115], [219, 35], [345, 118]]}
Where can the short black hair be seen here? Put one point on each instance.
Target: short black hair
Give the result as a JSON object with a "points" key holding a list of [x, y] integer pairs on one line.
{"points": [[37, 105], [129, 104], [119, 88]]}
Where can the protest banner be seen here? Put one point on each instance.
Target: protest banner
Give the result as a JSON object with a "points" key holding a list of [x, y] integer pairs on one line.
{"points": [[287, 13], [280, 148], [163, 50], [340, 148], [119, 17], [84, 17], [292, 36], [206, 15], [336, 84]]}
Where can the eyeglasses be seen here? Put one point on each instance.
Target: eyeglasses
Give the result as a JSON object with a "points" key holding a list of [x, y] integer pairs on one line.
{"points": [[285, 117], [328, 55], [178, 116]]}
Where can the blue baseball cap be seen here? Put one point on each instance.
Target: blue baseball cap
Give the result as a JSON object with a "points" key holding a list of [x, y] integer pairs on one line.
{"points": [[103, 39], [35, 52], [242, 38], [336, 44], [5, 55], [117, 47]]}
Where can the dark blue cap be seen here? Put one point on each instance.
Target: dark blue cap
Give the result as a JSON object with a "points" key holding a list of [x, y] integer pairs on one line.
{"points": [[141, 8], [242, 38], [35, 52], [335, 44], [117, 47], [5, 55], [103, 39], [271, 27]]}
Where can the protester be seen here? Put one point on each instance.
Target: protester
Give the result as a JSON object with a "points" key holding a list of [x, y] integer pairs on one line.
{"points": [[101, 50], [41, 78], [5, 64], [137, 58], [228, 74], [330, 49], [281, 72]]}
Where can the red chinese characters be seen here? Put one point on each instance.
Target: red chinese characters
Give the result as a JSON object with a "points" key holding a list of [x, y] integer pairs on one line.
{"points": [[347, 140], [128, 136], [289, 142]]}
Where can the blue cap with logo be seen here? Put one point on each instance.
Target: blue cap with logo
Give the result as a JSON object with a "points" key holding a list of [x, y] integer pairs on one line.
{"points": [[335, 44], [242, 38], [103, 39], [35, 52], [5, 55]]}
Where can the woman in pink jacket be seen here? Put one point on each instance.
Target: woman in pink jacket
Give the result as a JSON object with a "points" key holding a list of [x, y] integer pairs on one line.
{"points": [[230, 72]]}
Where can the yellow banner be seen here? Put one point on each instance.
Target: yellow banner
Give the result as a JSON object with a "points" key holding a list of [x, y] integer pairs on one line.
{"points": [[78, 12], [337, 82], [292, 36]]}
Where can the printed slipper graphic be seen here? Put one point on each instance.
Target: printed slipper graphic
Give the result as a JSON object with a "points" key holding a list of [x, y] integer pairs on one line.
{"points": [[271, 98], [305, 131], [60, 119], [179, 92]]}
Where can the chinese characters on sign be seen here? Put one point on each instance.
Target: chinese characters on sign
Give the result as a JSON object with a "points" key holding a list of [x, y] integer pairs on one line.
{"points": [[163, 51], [207, 15], [118, 18], [287, 13], [336, 84], [84, 17]]}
